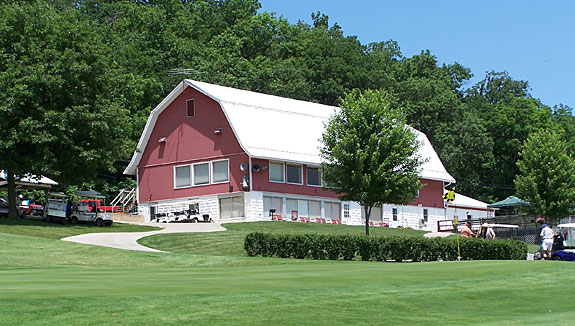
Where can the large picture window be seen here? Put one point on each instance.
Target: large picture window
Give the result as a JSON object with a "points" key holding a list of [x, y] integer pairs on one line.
{"points": [[314, 209], [272, 203], [201, 174], [220, 171], [294, 174], [182, 177], [332, 210], [313, 176], [376, 214], [291, 206], [232, 207], [276, 172]]}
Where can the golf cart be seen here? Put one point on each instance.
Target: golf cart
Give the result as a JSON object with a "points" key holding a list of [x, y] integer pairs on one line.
{"points": [[84, 212], [563, 243], [183, 215], [501, 230], [56, 208], [3, 207]]}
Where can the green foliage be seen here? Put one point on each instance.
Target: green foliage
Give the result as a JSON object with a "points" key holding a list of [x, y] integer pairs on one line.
{"points": [[507, 115], [369, 153], [79, 79], [56, 114], [547, 175], [394, 248]]}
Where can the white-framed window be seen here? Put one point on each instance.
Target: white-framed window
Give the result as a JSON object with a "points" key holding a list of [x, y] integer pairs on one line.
{"points": [[376, 214], [313, 176], [394, 213], [292, 207], [201, 173], [191, 108], [232, 207], [332, 210], [276, 171], [346, 210], [425, 215], [314, 209], [182, 176], [294, 174], [220, 171], [274, 203]]}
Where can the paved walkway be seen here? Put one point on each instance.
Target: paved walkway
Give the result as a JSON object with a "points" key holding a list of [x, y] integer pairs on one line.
{"points": [[129, 240]]}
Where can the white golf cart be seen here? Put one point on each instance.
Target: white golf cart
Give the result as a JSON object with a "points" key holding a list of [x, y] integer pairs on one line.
{"points": [[510, 229], [56, 207], [187, 212], [83, 212]]}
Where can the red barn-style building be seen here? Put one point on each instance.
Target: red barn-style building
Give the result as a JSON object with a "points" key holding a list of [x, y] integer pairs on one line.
{"points": [[241, 154]]}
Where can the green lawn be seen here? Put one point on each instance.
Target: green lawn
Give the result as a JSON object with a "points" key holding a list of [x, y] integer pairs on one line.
{"points": [[34, 226], [44, 281]]}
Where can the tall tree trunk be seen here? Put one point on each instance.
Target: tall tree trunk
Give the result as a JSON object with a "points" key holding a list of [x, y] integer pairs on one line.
{"points": [[367, 209], [12, 206]]}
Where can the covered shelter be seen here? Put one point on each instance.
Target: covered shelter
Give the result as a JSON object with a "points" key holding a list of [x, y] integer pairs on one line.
{"points": [[509, 205], [27, 182]]}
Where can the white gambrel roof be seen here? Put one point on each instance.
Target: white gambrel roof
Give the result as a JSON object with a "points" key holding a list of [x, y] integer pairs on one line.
{"points": [[276, 128], [464, 201]]}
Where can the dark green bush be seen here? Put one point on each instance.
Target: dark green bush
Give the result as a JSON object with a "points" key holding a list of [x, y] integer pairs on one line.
{"points": [[397, 248]]}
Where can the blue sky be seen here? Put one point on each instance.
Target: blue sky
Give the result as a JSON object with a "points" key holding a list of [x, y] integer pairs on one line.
{"points": [[532, 40]]}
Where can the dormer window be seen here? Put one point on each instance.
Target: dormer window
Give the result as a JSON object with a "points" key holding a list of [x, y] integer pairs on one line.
{"points": [[190, 108]]}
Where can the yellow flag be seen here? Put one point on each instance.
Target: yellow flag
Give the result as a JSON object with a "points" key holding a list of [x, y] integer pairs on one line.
{"points": [[449, 196]]}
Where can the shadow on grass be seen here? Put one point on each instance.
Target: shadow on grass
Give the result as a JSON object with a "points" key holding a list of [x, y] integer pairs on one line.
{"points": [[36, 227]]}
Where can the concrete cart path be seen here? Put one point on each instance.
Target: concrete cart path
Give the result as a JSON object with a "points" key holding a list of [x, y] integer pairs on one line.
{"points": [[129, 240]]}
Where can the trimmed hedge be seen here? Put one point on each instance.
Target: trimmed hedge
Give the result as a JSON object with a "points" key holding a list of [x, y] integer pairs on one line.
{"points": [[395, 248]]}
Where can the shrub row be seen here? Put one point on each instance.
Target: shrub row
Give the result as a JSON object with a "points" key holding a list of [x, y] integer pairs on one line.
{"points": [[395, 248]]}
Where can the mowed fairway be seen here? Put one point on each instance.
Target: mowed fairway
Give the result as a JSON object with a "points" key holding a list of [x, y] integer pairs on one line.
{"points": [[85, 285]]}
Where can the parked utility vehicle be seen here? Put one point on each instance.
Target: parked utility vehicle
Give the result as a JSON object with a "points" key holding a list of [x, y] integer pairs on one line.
{"points": [[98, 204], [564, 245], [3, 207], [189, 215], [27, 208], [56, 208], [82, 212]]}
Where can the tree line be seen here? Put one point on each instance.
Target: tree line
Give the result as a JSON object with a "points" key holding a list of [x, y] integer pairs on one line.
{"points": [[78, 80]]}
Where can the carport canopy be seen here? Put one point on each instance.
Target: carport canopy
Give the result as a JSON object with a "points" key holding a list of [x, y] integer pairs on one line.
{"points": [[510, 201], [27, 182]]}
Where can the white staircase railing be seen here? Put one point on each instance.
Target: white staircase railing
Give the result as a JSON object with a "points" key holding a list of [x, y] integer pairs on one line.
{"points": [[125, 199]]}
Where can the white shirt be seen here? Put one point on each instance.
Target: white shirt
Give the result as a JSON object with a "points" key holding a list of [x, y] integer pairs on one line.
{"points": [[547, 233], [490, 234]]}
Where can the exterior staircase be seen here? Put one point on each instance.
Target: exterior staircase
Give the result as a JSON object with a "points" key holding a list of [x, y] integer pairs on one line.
{"points": [[126, 200]]}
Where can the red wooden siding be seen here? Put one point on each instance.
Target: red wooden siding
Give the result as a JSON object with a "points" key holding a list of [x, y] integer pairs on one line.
{"points": [[431, 194], [188, 140], [260, 182]]}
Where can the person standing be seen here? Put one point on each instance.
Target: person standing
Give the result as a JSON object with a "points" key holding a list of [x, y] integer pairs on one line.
{"points": [[546, 241], [489, 234], [466, 231]]}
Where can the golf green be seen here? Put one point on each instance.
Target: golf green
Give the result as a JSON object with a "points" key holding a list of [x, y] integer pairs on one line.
{"points": [[44, 281]]}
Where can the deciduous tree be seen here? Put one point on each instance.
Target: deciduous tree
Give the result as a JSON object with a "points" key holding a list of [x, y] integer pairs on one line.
{"points": [[369, 153], [58, 114], [547, 175]]}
